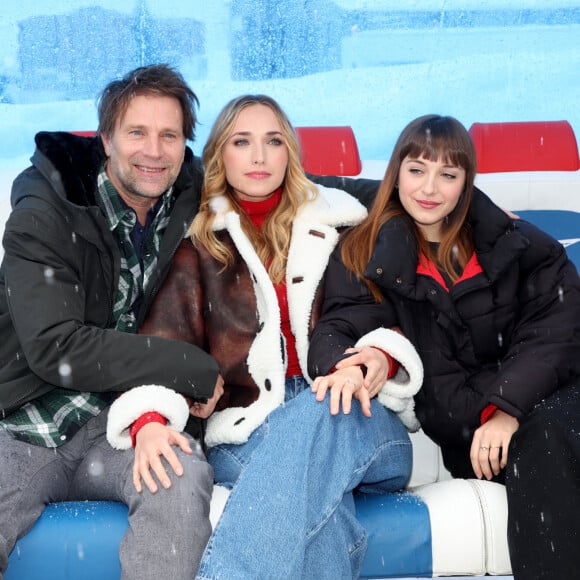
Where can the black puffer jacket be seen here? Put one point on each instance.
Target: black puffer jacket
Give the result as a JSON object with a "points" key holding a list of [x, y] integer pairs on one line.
{"points": [[508, 336], [57, 283]]}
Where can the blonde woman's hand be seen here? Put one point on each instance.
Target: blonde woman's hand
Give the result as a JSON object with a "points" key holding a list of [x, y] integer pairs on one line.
{"points": [[343, 384], [153, 442]]}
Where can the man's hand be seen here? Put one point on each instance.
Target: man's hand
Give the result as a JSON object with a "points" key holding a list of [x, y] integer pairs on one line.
{"points": [[344, 384], [204, 410], [155, 441], [489, 447], [376, 363]]}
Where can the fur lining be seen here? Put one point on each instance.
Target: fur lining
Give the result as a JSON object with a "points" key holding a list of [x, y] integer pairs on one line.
{"points": [[265, 360], [126, 409], [397, 393], [332, 207], [314, 236]]}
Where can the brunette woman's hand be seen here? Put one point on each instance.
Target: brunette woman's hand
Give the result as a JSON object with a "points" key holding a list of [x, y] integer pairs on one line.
{"points": [[344, 384], [376, 363], [511, 214], [154, 441], [489, 447]]}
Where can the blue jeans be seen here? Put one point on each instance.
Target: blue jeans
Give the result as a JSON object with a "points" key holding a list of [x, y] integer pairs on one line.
{"points": [[291, 511]]}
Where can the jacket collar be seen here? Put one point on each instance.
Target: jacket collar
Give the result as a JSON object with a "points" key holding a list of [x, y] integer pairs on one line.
{"points": [[331, 208], [70, 163], [498, 243]]}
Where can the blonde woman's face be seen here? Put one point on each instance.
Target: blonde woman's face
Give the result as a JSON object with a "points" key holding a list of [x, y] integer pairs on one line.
{"points": [[429, 191], [255, 155]]}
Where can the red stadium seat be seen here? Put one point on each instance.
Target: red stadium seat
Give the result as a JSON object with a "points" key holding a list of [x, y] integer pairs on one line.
{"points": [[329, 150], [84, 133], [525, 146]]}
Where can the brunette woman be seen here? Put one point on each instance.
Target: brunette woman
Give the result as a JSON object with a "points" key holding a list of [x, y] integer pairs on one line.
{"points": [[492, 305]]}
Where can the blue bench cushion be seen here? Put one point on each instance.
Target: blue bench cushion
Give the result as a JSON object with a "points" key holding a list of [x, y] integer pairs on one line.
{"points": [[71, 541], [80, 540], [399, 535]]}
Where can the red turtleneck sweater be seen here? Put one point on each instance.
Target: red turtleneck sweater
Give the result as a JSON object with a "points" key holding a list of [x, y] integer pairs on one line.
{"points": [[258, 211]]}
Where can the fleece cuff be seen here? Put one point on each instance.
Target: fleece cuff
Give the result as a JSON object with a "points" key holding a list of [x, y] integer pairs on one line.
{"points": [[132, 404], [397, 392]]}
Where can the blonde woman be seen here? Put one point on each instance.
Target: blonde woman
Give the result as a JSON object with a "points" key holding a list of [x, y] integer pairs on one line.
{"points": [[247, 286]]}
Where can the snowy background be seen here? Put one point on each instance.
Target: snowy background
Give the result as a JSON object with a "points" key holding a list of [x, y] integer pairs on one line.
{"points": [[371, 64]]}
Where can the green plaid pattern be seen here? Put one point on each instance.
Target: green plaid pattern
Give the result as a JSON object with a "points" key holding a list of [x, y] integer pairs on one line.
{"points": [[52, 419], [55, 417], [122, 219]]}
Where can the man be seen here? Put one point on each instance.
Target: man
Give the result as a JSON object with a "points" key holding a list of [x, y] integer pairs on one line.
{"points": [[94, 225]]}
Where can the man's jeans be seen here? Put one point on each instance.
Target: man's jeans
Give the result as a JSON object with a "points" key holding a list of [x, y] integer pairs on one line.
{"points": [[291, 512], [167, 530]]}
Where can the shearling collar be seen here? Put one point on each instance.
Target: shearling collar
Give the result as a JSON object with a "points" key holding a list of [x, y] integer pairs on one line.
{"points": [[315, 233], [332, 207]]}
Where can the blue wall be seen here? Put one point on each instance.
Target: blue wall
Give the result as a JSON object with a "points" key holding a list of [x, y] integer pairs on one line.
{"points": [[370, 64]]}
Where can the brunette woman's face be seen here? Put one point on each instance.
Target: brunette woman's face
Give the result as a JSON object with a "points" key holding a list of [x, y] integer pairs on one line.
{"points": [[429, 191], [255, 155]]}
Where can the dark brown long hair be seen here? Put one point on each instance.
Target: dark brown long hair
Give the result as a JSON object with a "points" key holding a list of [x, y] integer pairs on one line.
{"points": [[432, 137]]}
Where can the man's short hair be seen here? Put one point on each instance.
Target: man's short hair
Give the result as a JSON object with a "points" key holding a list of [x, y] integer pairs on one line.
{"points": [[157, 80]]}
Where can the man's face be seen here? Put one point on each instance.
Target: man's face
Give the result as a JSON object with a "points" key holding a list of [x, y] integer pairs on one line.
{"points": [[146, 150]]}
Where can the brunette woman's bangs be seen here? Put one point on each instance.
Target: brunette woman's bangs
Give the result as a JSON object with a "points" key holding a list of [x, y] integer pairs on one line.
{"points": [[437, 140]]}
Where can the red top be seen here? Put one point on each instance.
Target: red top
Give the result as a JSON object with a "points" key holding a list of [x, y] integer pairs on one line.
{"points": [[258, 211], [428, 268]]}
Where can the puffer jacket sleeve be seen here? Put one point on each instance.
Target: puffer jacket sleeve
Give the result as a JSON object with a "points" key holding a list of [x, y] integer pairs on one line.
{"points": [[352, 317], [544, 350], [349, 311]]}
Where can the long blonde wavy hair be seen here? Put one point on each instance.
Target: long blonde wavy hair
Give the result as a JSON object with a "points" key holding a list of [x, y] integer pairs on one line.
{"points": [[433, 137], [273, 240]]}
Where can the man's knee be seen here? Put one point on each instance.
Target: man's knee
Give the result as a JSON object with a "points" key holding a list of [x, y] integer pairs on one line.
{"points": [[197, 472]]}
